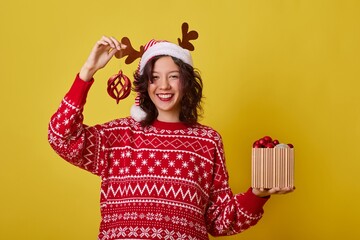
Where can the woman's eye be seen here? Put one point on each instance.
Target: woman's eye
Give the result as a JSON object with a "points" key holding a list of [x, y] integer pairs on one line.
{"points": [[174, 76], [154, 78]]}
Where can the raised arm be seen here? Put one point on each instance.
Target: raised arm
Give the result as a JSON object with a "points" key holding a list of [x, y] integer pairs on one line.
{"points": [[67, 134]]}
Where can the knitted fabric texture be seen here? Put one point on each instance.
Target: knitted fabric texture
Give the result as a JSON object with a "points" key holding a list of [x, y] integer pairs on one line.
{"points": [[165, 181]]}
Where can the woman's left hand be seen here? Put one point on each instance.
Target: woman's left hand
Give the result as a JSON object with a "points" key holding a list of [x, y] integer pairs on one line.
{"points": [[261, 192]]}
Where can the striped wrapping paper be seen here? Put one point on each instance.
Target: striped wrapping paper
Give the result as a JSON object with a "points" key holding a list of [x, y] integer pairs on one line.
{"points": [[272, 167]]}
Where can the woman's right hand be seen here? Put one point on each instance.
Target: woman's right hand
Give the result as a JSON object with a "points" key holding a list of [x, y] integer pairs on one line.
{"points": [[100, 55]]}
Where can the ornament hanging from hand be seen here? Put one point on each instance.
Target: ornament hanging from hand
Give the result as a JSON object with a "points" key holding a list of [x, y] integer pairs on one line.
{"points": [[119, 86]]}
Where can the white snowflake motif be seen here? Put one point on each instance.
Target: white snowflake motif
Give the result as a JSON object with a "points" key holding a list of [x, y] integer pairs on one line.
{"points": [[57, 126], [133, 163], [205, 174], [122, 154], [80, 146], [126, 216], [66, 111], [165, 156], [111, 170], [202, 164], [144, 162], [158, 217], [59, 116], [116, 163], [185, 164], [199, 179], [127, 170], [183, 221], [121, 171], [134, 216], [179, 156], [111, 155], [219, 228], [128, 154], [151, 169], [150, 216], [138, 170], [106, 234], [177, 171], [102, 162], [122, 232], [239, 224], [171, 163], [156, 233], [190, 174], [66, 121], [144, 232], [225, 183], [152, 155], [175, 219], [164, 171], [133, 231], [139, 155], [114, 217], [181, 236], [196, 168], [169, 235], [192, 159], [227, 221], [157, 163]]}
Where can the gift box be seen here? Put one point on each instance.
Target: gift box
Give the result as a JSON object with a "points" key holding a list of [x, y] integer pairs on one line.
{"points": [[272, 167]]}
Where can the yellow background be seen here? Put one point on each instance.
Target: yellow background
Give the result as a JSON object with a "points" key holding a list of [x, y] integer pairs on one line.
{"points": [[289, 69]]}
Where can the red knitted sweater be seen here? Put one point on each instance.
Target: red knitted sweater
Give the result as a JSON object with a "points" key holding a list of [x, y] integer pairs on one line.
{"points": [[165, 181]]}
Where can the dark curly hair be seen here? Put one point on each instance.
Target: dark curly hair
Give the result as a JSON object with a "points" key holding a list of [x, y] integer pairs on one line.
{"points": [[191, 85]]}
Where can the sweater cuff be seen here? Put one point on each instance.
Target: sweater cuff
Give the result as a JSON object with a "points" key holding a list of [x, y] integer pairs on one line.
{"points": [[78, 91], [253, 203]]}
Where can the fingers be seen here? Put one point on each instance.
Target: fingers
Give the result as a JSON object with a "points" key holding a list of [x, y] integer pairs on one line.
{"points": [[111, 42], [261, 192], [281, 190]]}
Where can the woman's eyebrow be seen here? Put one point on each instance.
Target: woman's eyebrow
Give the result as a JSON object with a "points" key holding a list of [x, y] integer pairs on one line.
{"points": [[174, 71]]}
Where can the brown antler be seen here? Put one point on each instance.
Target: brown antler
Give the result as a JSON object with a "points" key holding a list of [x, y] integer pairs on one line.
{"points": [[129, 51], [186, 37]]}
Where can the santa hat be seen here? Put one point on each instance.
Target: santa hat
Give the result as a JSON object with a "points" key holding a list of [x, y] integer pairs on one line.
{"points": [[152, 49]]}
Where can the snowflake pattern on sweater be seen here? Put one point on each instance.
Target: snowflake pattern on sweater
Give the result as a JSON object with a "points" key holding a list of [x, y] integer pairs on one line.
{"points": [[164, 181]]}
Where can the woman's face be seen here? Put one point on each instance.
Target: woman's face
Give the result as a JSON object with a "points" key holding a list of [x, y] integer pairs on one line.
{"points": [[164, 89]]}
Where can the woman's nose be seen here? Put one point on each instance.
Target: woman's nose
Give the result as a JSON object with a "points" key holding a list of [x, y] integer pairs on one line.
{"points": [[164, 83]]}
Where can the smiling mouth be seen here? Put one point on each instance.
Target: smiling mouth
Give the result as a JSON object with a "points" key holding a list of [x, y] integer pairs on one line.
{"points": [[165, 97]]}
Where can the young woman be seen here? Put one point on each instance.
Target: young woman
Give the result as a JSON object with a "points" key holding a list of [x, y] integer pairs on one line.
{"points": [[164, 175]]}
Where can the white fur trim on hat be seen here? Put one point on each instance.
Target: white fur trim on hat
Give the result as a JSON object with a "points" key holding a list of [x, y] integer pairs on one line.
{"points": [[165, 48], [137, 113]]}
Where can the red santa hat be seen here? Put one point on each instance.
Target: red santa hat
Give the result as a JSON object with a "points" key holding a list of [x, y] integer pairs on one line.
{"points": [[157, 48]]}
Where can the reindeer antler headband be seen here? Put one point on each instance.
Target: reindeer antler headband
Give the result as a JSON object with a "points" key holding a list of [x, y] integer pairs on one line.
{"points": [[151, 49]]}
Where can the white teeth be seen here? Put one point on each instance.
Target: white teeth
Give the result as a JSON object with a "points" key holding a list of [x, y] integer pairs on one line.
{"points": [[164, 95]]}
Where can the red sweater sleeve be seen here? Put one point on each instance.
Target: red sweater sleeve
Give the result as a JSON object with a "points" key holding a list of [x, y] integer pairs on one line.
{"points": [[69, 137], [228, 214]]}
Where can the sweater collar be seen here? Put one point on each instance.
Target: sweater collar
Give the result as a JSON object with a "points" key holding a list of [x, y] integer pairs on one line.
{"points": [[169, 125]]}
